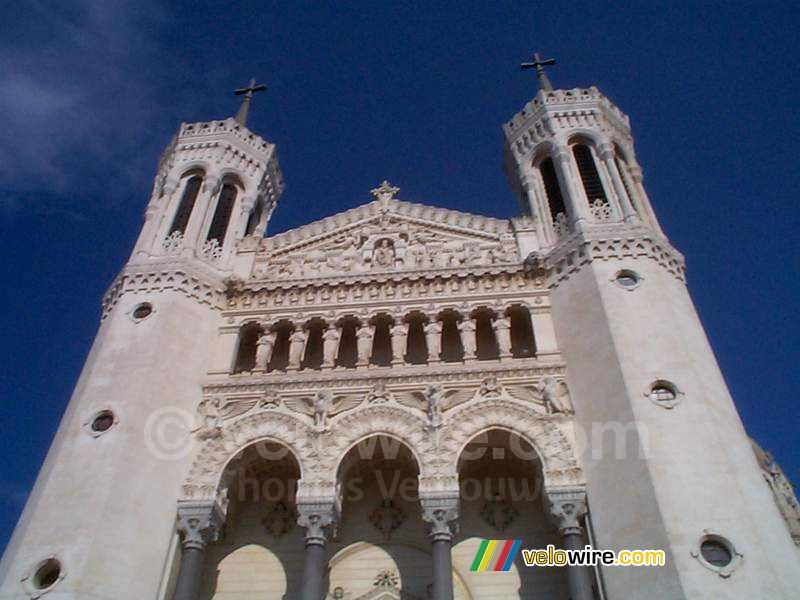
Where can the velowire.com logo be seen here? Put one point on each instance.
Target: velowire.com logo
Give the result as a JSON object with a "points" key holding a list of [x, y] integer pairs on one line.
{"points": [[495, 555]]}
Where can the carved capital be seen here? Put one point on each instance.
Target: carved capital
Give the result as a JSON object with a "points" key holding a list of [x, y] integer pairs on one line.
{"points": [[605, 151], [318, 519], [565, 508], [199, 523], [441, 514]]}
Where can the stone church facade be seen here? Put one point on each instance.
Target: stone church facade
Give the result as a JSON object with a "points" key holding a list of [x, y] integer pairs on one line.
{"points": [[347, 409]]}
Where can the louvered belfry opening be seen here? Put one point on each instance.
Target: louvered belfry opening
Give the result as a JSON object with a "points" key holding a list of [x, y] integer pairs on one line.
{"points": [[590, 178], [222, 214], [555, 200], [190, 191]]}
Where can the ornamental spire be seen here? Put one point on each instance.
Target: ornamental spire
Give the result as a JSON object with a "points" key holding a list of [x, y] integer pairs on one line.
{"points": [[247, 92], [539, 64]]}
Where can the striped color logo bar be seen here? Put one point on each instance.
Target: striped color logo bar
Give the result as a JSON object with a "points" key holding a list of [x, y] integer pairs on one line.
{"points": [[495, 555]]}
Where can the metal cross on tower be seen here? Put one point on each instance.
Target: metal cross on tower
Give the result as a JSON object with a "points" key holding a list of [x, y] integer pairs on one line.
{"points": [[539, 65], [244, 109]]}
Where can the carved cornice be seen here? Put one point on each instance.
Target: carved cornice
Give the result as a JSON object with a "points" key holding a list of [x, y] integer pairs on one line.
{"points": [[396, 292], [455, 221], [611, 242], [520, 368], [191, 278]]}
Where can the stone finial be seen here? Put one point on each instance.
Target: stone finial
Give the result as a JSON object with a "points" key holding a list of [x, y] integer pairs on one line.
{"points": [[385, 191]]}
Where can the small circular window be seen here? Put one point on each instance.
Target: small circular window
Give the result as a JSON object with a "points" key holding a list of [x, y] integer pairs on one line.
{"points": [[627, 279], [716, 553], [102, 421], [664, 393], [47, 574], [142, 311]]}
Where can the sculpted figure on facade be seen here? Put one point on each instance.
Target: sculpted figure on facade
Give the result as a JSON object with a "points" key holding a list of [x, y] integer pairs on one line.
{"points": [[364, 337], [433, 338], [467, 328], [399, 335], [555, 396], [264, 348], [322, 404], [502, 331], [490, 388], [435, 398], [297, 344], [330, 345], [416, 254], [384, 253], [210, 418]]}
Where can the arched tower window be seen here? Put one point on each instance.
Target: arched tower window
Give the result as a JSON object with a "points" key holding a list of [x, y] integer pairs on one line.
{"points": [[590, 178], [222, 214], [190, 191], [253, 219], [555, 200]]}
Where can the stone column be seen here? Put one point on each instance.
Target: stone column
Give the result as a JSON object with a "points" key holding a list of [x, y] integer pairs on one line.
{"points": [[637, 179], [433, 339], [544, 333], [573, 197], [317, 519], [399, 335], [204, 207], [606, 154], [467, 329], [566, 507], [330, 346], [199, 524], [440, 514], [537, 198]]}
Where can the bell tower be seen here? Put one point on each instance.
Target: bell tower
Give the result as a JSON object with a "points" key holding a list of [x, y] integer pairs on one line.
{"points": [[217, 183], [668, 463]]}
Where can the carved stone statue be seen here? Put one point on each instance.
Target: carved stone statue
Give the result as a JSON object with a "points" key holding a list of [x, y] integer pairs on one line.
{"points": [[555, 396], [383, 255], [330, 346], [322, 404], [210, 418], [490, 388], [435, 397], [467, 328], [379, 393], [297, 343], [502, 331], [399, 334], [433, 338], [264, 348], [416, 254], [364, 337]]}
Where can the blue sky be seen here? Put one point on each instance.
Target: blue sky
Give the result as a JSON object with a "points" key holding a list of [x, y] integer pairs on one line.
{"points": [[91, 92]]}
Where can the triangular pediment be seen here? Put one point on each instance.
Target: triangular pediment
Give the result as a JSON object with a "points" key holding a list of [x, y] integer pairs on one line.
{"points": [[387, 236]]}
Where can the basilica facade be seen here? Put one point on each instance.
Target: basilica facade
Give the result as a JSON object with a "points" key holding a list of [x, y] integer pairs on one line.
{"points": [[349, 409]]}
